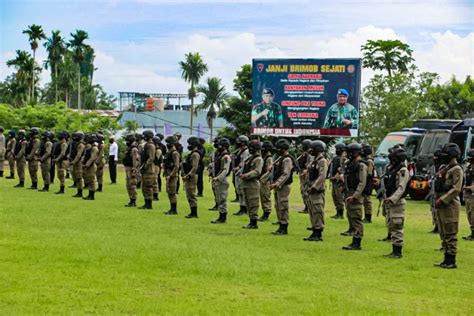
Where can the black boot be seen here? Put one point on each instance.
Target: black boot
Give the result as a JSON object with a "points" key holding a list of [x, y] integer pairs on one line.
{"points": [[396, 252], [221, 220], [132, 203], [34, 186], [1, 173], [435, 230], [20, 184], [90, 197], [11, 176], [78, 194], [443, 262], [305, 210], [99, 188], [469, 237], [282, 230], [45, 188], [251, 225], [315, 236], [155, 197], [339, 214], [368, 219], [242, 211], [214, 208], [172, 210], [450, 262], [61, 190], [388, 238], [73, 185], [347, 233], [354, 245], [193, 213], [264, 217], [146, 206]]}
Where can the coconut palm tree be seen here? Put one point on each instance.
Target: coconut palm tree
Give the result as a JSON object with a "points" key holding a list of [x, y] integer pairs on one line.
{"points": [[214, 96], [78, 47], [25, 68], [56, 49], [35, 34], [192, 69]]}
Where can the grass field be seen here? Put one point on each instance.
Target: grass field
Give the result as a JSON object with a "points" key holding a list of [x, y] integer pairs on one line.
{"points": [[60, 255]]}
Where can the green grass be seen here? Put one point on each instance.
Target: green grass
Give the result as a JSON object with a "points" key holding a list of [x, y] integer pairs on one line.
{"points": [[60, 255]]}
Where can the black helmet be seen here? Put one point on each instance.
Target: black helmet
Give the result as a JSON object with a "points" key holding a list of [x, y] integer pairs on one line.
{"points": [[354, 149], [170, 140], [318, 146], [193, 141], [63, 135], [282, 144], [21, 133], [451, 151], [34, 131], [398, 155], [242, 139], [148, 134], [340, 148], [224, 142], [92, 138], [366, 150], [267, 145], [178, 135], [255, 144], [1, 129], [77, 136], [156, 140], [160, 136], [46, 134], [100, 138], [202, 141], [305, 144], [138, 136], [470, 153], [12, 133], [130, 138]]}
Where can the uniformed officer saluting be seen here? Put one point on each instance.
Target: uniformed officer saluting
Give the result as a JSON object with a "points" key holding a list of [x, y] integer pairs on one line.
{"points": [[189, 174], [396, 180], [250, 184], [448, 186], [316, 190], [282, 177], [355, 178]]}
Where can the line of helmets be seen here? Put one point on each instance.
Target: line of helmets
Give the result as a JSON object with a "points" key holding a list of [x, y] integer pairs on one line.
{"points": [[49, 135]]}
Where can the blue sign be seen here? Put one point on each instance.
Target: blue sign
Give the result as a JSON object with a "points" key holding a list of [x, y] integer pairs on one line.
{"points": [[312, 97]]}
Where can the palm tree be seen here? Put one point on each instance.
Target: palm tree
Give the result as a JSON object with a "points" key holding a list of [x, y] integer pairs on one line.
{"points": [[35, 34], [25, 67], [192, 69], [67, 74], [78, 47], [214, 96], [56, 49], [389, 55]]}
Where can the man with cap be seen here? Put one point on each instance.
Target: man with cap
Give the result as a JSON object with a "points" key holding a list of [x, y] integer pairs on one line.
{"points": [[131, 162], [250, 174], [89, 166], [2, 151], [157, 165], [281, 180], [77, 150], [220, 183], [448, 186], [267, 113], [336, 175], [303, 160], [468, 191], [355, 179], [113, 159], [396, 179], [171, 173], [189, 174], [59, 158], [20, 157], [100, 163], [242, 155], [265, 192], [31, 154], [367, 159], [342, 114], [317, 169], [45, 152], [10, 153]]}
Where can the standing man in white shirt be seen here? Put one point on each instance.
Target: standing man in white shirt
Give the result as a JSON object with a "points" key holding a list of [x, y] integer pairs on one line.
{"points": [[113, 158]]}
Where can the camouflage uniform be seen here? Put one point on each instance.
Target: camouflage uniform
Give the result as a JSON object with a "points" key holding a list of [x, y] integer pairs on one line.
{"points": [[368, 190], [45, 152], [157, 167], [189, 174], [76, 155], [282, 178], [2, 151], [172, 162], [20, 158], [316, 179], [272, 119], [338, 113], [31, 153], [220, 183], [337, 190], [10, 155], [89, 159], [100, 163], [242, 155], [148, 172], [60, 160], [251, 186], [265, 192], [131, 162], [469, 199]]}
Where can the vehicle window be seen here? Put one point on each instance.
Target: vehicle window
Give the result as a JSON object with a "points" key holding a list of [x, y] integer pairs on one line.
{"points": [[431, 141], [411, 146], [388, 142]]}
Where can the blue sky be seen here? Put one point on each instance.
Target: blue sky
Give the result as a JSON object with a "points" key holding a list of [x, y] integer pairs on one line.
{"points": [[139, 42]]}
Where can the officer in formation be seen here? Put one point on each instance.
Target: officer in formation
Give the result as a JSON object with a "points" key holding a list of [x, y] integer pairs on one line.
{"points": [[20, 157], [10, 153], [147, 169], [469, 194], [189, 175], [369, 162], [432, 195], [89, 167], [131, 162], [200, 174], [211, 171], [396, 181], [171, 165], [45, 153], [31, 156], [220, 172], [249, 176], [265, 192], [303, 159], [100, 162], [336, 177], [59, 158], [317, 170], [3, 143], [77, 150], [238, 163], [157, 165]]}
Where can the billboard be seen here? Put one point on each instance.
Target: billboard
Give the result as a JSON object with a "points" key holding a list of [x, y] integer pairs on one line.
{"points": [[312, 97]]}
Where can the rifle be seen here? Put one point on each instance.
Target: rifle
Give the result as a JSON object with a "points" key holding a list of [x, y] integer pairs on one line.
{"points": [[272, 173], [432, 194], [381, 194]]}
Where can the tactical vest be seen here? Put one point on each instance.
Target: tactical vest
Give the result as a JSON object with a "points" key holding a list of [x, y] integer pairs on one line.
{"points": [[144, 154], [29, 147], [42, 148], [169, 163], [368, 184], [87, 154], [248, 165], [57, 150], [352, 175], [440, 182], [217, 162], [73, 150], [313, 172], [127, 158], [238, 158], [158, 161], [303, 159], [187, 165], [469, 175], [278, 170], [336, 164], [265, 163], [390, 180], [18, 146]]}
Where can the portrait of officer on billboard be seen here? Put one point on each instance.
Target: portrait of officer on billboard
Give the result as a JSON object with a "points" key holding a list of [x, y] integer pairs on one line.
{"points": [[267, 113], [342, 114]]}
